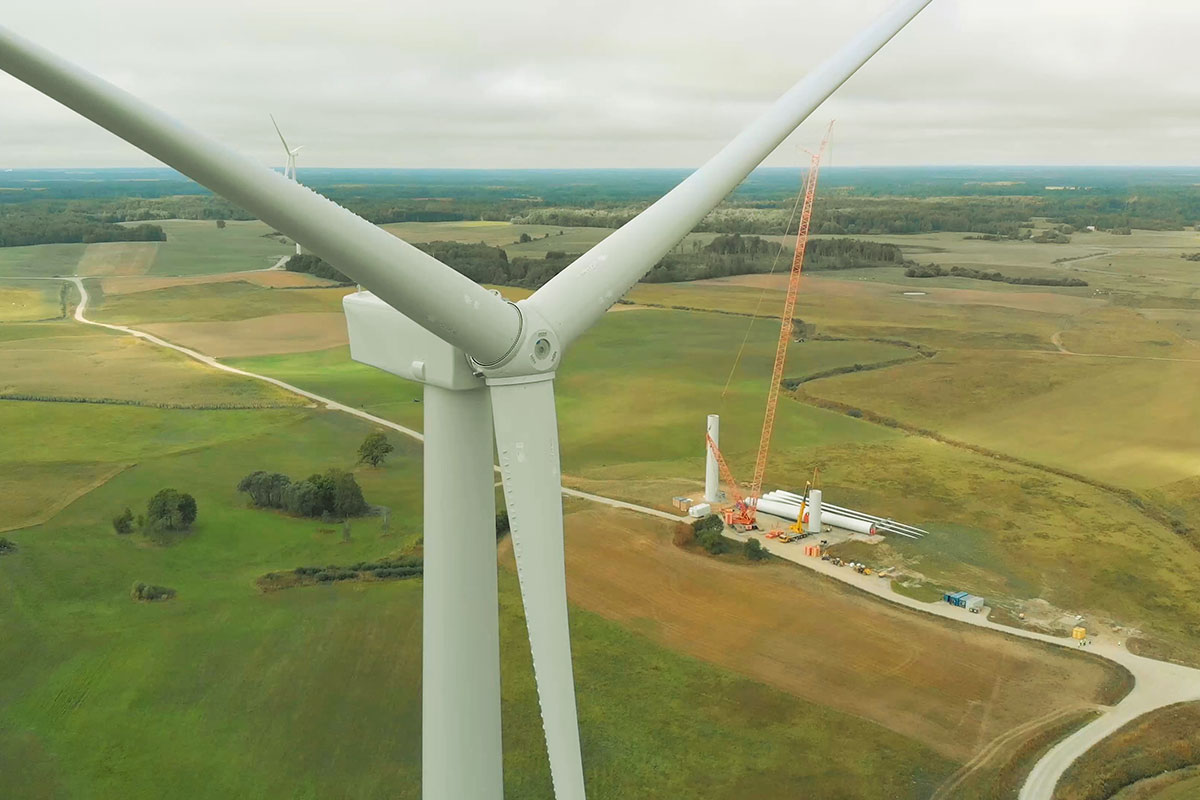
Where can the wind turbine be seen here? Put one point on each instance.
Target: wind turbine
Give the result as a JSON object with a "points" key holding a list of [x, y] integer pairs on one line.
{"points": [[488, 367], [289, 166]]}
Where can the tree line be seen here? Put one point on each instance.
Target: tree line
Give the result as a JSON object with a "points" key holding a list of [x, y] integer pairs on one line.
{"points": [[732, 254], [18, 230], [936, 271], [333, 493]]}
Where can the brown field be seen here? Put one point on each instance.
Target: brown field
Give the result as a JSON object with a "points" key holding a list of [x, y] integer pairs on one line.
{"points": [[941, 683], [117, 258], [259, 336], [271, 279]]}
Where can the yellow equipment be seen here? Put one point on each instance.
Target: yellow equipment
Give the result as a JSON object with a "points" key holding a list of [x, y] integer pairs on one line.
{"points": [[798, 527]]}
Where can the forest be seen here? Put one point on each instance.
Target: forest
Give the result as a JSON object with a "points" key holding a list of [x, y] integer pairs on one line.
{"points": [[732, 254]]}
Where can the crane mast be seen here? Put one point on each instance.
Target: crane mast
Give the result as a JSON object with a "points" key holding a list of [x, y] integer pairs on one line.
{"points": [[785, 325]]}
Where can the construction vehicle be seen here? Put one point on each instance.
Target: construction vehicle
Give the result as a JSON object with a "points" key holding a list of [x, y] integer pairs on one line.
{"points": [[741, 515], [802, 517]]}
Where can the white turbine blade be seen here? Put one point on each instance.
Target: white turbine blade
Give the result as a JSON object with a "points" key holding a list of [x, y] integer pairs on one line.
{"points": [[276, 124], [527, 442], [422, 288], [577, 297]]}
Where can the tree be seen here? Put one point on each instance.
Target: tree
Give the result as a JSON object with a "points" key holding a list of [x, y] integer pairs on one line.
{"points": [[502, 525], [374, 449], [123, 522], [348, 500], [220, 223], [754, 550], [171, 510], [524, 238]]}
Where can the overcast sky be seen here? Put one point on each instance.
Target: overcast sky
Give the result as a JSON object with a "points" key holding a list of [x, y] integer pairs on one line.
{"points": [[620, 83]]}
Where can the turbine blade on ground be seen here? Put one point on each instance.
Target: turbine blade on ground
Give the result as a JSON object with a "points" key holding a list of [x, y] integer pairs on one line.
{"points": [[577, 297], [422, 288], [527, 443]]}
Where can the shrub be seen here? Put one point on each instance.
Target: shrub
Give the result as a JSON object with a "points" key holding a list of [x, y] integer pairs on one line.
{"points": [[502, 525], [713, 542], [7, 546], [123, 522], [150, 593], [754, 551], [712, 522]]}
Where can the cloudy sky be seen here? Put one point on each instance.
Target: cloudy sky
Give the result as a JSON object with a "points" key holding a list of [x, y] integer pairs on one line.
{"points": [[620, 83]]}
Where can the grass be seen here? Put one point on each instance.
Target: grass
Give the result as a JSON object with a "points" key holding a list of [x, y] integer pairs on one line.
{"points": [[616, 422], [1054, 409], [29, 301], [217, 301], [1163, 741], [198, 247], [43, 260], [96, 364], [225, 691]]}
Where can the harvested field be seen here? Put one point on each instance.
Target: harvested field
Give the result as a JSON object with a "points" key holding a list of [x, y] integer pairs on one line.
{"points": [[117, 258], [260, 336], [943, 684]]}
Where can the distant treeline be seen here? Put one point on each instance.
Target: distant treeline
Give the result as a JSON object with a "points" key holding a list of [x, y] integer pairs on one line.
{"points": [[763, 209], [18, 229], [935, 271], [732, 254]]}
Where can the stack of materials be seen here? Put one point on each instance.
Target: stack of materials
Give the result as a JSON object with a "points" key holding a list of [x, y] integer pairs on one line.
{"points": [[682, 503], [812, 550], [787, 505]]}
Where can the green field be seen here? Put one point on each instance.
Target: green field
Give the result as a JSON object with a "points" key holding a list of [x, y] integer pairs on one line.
{"points": [[30, 301], [202, 302], [67, 361], [314, 692], [195, 247]]}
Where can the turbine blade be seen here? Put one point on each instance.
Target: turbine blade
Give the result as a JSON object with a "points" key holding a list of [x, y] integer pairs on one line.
{"points": [[422, 288], [527, 442], [577, 297], [276, 124]]}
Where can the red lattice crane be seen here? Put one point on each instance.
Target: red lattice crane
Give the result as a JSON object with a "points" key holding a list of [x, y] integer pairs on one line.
{"points": [[743, 512]]}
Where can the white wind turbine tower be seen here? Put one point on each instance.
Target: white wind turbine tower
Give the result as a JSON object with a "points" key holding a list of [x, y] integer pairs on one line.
{"points": [[488, 367], [289, 165]]}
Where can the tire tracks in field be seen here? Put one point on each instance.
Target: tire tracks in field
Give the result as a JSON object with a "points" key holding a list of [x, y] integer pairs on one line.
{"points": [[982, 759]]}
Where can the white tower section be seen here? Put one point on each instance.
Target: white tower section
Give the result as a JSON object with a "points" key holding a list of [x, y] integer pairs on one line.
{"points": [[814, 511], [712, 475]]}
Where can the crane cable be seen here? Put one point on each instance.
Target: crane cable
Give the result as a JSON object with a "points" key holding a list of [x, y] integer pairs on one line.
{"points": [[762, 294]]}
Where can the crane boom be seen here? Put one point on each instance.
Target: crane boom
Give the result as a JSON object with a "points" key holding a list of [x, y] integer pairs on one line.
{"points": [[785, 325], [742, 512]]}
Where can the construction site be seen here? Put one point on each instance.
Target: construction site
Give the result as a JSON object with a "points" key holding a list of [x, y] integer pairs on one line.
{"points": [[784, 515]]}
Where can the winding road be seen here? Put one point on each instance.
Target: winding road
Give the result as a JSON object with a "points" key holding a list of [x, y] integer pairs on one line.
{"points": [[1157, 683]]}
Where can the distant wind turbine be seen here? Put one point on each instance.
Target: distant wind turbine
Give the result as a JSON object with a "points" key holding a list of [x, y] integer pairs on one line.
{"points": [[488, 368], [289, 166]]}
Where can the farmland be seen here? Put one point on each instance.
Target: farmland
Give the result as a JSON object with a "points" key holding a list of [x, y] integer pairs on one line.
{"points": [[767, 679]]}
